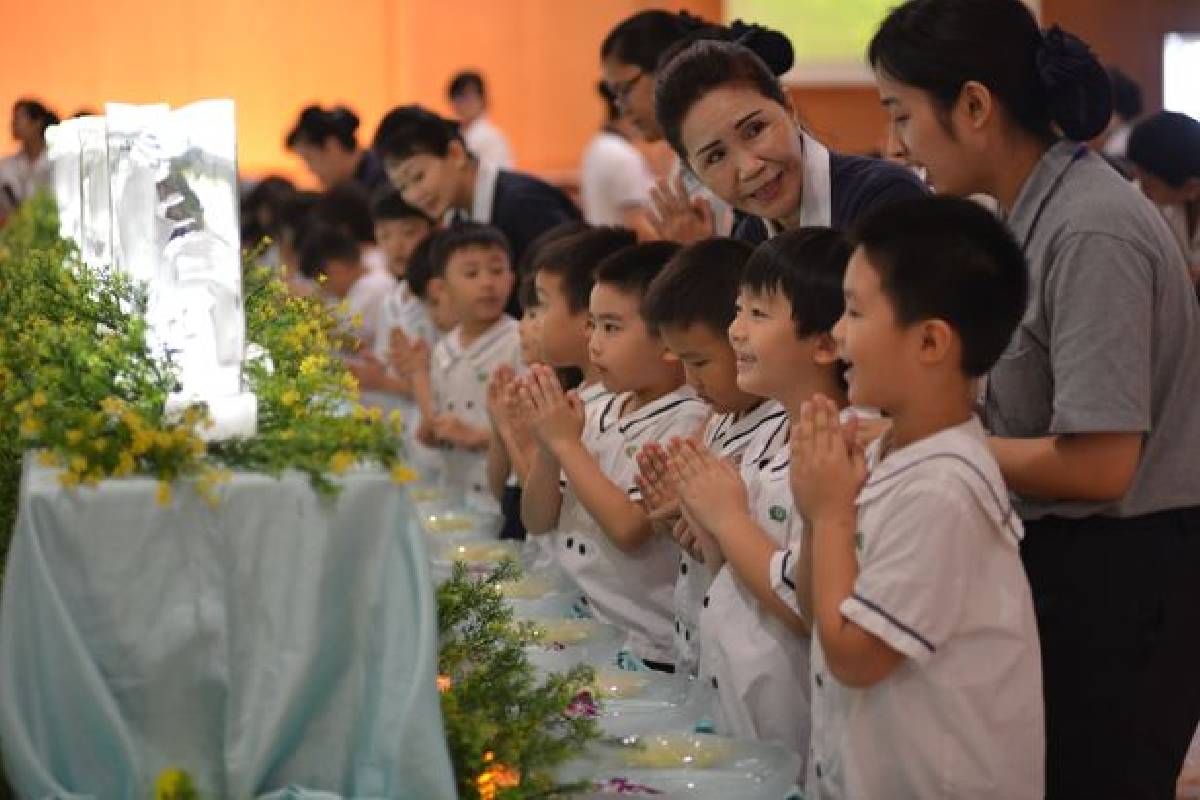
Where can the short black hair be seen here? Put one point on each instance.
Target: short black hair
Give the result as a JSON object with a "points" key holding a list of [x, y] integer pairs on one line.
{"points": [[466, 81], [575, 258], [261, 208], [296, 216], [698, 286], [464, 235], [634, 268], [420, 270], [413, 130], [807, 266], [323, 244], [527, 264], [1127, 95], [316, 125], [388, 204], [346, 206], [949, 259], [1167, 145], [700, 68], [1041, 79]]}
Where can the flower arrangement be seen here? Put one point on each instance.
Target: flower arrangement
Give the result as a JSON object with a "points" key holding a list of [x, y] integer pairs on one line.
{"points": [[79, 384], [505, 731]]}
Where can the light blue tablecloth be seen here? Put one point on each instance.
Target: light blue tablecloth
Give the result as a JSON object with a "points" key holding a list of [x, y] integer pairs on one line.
{"points": [[273, 645]]}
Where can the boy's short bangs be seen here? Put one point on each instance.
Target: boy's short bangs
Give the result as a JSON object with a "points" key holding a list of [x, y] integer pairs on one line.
{"points": [[807, 266], [698, 286], [949, 259]]}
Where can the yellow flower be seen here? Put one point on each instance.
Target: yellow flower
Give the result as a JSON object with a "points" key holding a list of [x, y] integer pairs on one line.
{"points": [[350, 383], [132, 420], [74, 436], [403, 474], [47, 458], [290, 397], [174, 784], [38, 399], [68, 479], [93, 477], [374, 414], [99, 445], [124, 465], [163, 440], [30, 428], [143, 440], [163, 496], [341, 462], [396, 418], [112, 406], [78, 464]]}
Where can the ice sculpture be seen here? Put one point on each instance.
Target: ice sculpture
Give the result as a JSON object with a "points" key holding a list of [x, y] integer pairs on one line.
{"points": [[155, 193]]}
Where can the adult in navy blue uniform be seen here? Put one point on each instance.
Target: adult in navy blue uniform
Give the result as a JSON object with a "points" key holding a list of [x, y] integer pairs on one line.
{"points": [[726, 114], [326, 140], [431, 167]]}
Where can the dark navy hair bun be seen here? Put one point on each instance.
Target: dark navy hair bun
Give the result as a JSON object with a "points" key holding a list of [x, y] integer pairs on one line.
{"points": [[1078, 90], [770, 45]]}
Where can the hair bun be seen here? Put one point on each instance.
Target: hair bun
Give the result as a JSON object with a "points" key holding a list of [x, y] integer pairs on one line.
{"points": [[1078, 91], [343, 118], [770, 45]]}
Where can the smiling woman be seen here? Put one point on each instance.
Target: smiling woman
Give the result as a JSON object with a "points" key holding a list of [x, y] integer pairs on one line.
{"points": [[726, 115], [429, 164]]}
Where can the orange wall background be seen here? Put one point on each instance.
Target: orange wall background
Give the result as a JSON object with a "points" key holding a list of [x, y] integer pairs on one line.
{"points": [[540, 58]]}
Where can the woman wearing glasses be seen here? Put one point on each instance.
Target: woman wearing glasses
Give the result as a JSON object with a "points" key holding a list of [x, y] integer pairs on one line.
{"points": [[684, 209]]}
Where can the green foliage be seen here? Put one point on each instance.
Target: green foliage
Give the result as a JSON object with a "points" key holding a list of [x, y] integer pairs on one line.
{"points": [[80, 385], [495, 704]]}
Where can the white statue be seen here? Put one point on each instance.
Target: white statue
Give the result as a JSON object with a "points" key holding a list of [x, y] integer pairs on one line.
{"points": [[157, 198]]}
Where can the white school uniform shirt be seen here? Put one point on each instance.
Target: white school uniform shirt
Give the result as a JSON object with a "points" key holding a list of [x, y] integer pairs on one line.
{"points": [[364, 301], [730, 438], [756, 664], [595, 399], [488, 142], [633, 591], [459, 378], [941, 582], [403, 309], [613, 178]]}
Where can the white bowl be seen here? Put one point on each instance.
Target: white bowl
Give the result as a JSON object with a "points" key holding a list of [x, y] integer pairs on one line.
{"points": [[569, 642]]}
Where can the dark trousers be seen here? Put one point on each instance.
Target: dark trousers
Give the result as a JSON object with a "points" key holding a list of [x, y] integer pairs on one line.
{"points": [[1118, 612]]}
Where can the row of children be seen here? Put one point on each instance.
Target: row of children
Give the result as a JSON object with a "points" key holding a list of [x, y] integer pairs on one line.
{"points": [[706, 483]]}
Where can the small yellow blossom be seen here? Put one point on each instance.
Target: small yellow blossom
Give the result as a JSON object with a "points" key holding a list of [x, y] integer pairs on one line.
{"points": [[99, 444], [163, 495], [93, 477], [38, 399], [48, 458], [78, 464], [290, 397], [124, 465], [143, 440], [68, 479], [402, 473], [374, 413], [30, 427], [341, 461], [112, 405], [74, 436], [396, 418]]}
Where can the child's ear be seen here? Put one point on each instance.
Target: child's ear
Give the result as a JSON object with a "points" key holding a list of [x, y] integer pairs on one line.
{"points": [[826, 350], [938, 341]]}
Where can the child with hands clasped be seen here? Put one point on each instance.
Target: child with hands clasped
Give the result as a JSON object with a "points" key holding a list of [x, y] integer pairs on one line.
{"points": [[754, 642], [691, 304], [478, 279], [608, 545], [926, 678]]}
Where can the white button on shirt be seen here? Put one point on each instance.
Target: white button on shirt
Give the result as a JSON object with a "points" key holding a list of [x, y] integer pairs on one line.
{"points": [[941, 582], [633, 591], [459, 378], [730, 437]]}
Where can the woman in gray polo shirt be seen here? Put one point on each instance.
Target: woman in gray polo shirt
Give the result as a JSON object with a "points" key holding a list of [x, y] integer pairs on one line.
{"points": [[1095, 407]]}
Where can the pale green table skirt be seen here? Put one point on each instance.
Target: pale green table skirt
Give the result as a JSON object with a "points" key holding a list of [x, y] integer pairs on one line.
{"points": [[276, 644]]}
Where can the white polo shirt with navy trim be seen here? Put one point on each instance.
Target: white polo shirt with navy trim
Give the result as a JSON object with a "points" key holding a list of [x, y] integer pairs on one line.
{"points": [[940, 582], [730, 436], [459, 378], [755, 662], [633, 591]]}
